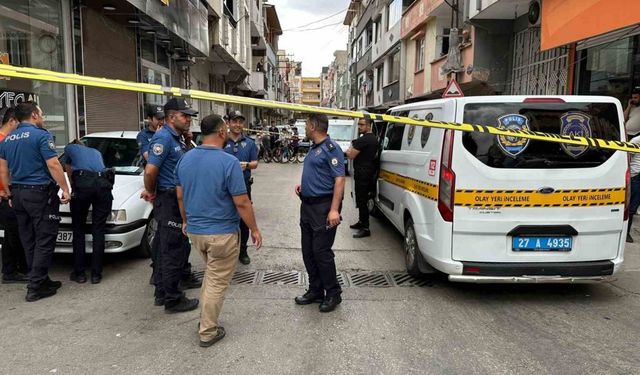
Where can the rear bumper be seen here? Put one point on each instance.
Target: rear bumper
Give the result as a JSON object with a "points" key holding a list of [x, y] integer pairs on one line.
{"points": [[530, 279]]}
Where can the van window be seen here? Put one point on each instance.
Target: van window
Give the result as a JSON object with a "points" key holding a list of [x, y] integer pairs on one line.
{"points": [[596, 120], [393, 139]]}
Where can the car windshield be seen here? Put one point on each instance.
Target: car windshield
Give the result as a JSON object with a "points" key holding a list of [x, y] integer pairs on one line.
{"points": [[122, 154], [340, 132]]}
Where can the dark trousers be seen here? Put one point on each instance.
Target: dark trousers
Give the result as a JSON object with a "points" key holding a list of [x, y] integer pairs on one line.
{"points": [[37, 209], [317, 254], [244, 229], [172, 244], [186, 267], [364, 188], [634, 199], [13, 257], [100, 199]]}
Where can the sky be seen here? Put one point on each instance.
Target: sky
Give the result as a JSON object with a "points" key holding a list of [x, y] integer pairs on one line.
{"points": [[313, 47]]}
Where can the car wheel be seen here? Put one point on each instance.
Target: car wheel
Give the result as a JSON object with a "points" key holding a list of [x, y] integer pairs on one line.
{"points": [[411, 250], [373, 209], [147, 239]]}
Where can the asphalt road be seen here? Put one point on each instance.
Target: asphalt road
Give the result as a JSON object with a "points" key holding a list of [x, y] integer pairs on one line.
{"points": [[113, 327]]}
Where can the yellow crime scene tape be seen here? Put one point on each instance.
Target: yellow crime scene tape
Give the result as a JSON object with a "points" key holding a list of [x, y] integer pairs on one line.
{"points": [[81, 80], [512, 198]]}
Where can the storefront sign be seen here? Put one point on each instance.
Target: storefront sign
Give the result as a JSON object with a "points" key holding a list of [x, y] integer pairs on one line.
{"points": [[13, 98]]}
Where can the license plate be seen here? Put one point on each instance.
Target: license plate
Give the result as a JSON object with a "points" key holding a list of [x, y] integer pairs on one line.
{"points": [[542, 243], [64, 237]]}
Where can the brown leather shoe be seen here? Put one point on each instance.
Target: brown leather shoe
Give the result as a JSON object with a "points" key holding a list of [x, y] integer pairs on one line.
{"points": [[219, 336]]}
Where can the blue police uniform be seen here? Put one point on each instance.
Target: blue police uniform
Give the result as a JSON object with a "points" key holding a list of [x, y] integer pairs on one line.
{"points": [[91, 185], [34, 197], [144, 139], [171, 247], [245, 150], [323, 163]]}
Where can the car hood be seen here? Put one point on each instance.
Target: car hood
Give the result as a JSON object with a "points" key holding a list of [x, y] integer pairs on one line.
{"points": [[124, 188]]}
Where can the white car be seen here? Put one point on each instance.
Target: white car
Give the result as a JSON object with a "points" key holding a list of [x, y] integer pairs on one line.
{"points": [[131, 224]]}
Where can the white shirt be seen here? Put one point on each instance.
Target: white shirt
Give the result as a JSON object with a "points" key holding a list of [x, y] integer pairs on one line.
{"points": [[634, 164], [633, 123]]}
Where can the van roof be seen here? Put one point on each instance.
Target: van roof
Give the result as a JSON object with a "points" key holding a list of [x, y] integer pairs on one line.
{"points": [[504, 98]]}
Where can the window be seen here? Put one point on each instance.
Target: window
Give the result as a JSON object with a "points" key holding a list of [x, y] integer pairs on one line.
{"points": [[445, 42], [394, 68], [376, 31], [369, 35], [394, 12], [393, 139], [420, 54], [379, 77]]}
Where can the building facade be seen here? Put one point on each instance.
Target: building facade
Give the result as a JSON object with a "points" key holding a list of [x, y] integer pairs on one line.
{"points": [[311, 91]]}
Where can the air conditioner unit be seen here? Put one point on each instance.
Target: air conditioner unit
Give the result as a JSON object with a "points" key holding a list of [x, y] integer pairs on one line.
{"points": [[535, 13]]}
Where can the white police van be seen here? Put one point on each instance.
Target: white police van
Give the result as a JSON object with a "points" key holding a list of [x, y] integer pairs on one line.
{"points": [[486, 208]]}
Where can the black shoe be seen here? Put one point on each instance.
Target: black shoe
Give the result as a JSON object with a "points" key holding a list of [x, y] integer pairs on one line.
{"points": [[52, 284], [219, 336], [629, 238], [40, 293], [362, 233], [159, 301], [96, 278], [244, 258], [330, 303], [308, 298], [80, 278], [183, 305], [15, 278], [357, 225], [192, 282]]}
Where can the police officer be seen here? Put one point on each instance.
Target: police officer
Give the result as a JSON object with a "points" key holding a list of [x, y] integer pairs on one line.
{"points": [[155, 118], [165, 150], [246, 151], [363, 152], [14, 262], [29, 154], [91, 185], [321, 192], [275, 134]]}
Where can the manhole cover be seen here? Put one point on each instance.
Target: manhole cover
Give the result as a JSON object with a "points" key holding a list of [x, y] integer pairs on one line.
{"points": [[404, 279], [244, 278], [281, 278]]}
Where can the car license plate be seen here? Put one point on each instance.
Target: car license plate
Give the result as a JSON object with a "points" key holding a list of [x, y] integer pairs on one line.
{"points": [[542, 243], [64, 237]]}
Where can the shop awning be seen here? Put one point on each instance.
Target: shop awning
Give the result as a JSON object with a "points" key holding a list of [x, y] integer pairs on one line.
{"points": [[569, 21]]}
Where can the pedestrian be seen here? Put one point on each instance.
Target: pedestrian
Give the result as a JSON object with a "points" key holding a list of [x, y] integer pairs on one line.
{"points": [[155, 118], [266, 144], [171, 244], [363, 152], [212, 196], [634, 186], [29, 155], [14, 262], [321, 192], [275, 134], [91, 185], [632, 114], [245, 150]]}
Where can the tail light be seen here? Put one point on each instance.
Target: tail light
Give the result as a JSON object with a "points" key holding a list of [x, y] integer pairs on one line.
{"points": [[543, 100], [447, 184], [627, 193]]}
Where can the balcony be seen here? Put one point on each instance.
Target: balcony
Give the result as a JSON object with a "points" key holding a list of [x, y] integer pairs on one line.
{"points": [[364, 62], [498, 9], [418, 14], [258, 81]]}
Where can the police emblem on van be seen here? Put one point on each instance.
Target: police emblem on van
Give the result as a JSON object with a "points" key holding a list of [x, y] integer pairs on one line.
{"points": [[513, 146], [412, 132], [575, 124]]}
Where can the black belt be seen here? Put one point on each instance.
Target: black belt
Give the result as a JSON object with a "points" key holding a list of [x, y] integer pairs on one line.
{"points": [[316, 200], [81, 172], [34, 187], [166, 190]]}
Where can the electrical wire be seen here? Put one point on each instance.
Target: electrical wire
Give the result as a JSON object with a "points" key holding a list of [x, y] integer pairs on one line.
{"points": [[320, 20]]}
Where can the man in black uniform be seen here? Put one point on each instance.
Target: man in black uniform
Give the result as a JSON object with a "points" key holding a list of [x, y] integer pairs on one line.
{"points": [[363, 152], [91, 183], [165, 149], [14, 262], [321, 192], [275, 134], [29, 154]]}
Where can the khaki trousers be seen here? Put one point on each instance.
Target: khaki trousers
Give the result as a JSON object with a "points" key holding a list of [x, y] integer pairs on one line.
{"points": [[220, 254]]}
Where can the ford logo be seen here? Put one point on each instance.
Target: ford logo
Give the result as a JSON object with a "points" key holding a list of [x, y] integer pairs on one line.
{"points": [[546, 190]]}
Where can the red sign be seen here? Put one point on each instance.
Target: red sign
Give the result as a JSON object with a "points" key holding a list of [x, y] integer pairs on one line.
{"points": [[432, 168], [453, 90]]}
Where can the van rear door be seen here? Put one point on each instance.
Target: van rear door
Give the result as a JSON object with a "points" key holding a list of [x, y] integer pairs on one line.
{"points": [[520, 200]]}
